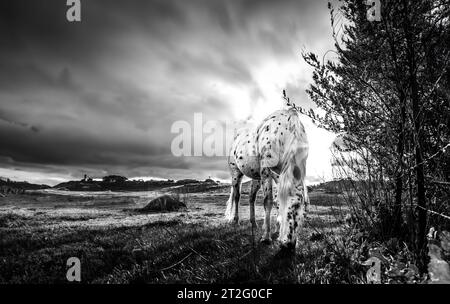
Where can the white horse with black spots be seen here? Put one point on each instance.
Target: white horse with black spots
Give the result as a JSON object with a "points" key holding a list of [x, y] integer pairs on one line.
{"points": [[277, 151]]}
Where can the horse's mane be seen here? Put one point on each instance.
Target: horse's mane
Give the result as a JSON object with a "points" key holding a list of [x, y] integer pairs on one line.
{"points": [[294, 155]]}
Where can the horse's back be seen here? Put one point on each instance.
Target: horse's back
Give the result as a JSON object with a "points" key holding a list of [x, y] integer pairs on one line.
{"points": [[279, 133], [266, 145]]}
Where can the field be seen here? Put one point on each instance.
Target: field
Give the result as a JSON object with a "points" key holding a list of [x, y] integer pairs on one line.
{"points": [[115, 243]]}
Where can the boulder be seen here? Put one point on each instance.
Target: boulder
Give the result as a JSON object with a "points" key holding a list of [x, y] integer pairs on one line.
{"points": [[210, 181], [163, 203]]}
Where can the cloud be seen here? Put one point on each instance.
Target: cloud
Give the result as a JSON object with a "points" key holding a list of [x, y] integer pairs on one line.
{"points": [[20, 124], [101, 95]]}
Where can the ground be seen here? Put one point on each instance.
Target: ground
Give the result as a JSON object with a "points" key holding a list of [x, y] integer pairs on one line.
{"points": [[116, 244]]}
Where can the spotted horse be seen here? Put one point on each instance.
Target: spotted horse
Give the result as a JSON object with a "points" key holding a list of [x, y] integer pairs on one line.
{"points": [[276, 151]]}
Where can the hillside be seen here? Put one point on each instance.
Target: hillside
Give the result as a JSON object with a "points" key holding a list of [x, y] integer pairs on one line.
{"points": [[339, 185], [132, 185], [6, 183]]}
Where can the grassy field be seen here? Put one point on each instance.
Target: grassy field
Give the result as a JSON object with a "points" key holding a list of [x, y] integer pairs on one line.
{"points": [[117, 244]]}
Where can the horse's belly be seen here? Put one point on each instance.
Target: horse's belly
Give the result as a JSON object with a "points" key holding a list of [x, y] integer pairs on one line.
{"points": [[248, 164], [251, 170], [244, 155]]}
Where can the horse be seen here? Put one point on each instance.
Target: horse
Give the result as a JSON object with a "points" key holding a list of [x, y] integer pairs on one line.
{"points": [[276, 151]]}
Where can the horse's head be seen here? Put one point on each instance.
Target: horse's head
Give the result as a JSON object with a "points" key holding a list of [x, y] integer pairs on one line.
{"points": [[292, 201]]}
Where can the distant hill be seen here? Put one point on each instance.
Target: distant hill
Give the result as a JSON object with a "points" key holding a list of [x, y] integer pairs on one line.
{"points": [[8, 185], [116, 183], [199, 186], [338, 186]]}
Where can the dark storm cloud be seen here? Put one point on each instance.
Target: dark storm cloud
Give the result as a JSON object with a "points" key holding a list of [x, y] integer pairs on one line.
{"points": [[5, 119], [103, 93]]}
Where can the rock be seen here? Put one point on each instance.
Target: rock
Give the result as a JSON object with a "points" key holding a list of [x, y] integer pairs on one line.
{"points": [[163, 203], [210, 181]]}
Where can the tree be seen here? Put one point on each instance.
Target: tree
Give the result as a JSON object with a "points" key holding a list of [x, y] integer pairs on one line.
{"points": [[387, 90], [114, 179]]}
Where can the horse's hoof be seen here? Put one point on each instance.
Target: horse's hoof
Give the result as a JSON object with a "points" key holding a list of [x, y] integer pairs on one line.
{"points": [[286, 250], [266, 241]]}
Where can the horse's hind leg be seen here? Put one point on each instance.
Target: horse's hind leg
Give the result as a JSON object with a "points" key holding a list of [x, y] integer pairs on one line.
{"points": [[236, 194], [268, 202], [256, 184], [232, 212]]}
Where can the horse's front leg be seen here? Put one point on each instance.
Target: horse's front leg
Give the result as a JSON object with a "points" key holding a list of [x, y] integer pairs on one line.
{"points": [[268, 202], [232, 210], [276, 203]]}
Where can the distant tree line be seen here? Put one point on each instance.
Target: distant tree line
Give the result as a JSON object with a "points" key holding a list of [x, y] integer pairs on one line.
{"points": [[122, 183]]}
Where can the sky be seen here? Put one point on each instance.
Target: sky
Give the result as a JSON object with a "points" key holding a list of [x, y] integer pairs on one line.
{"points": [[101, 96]]}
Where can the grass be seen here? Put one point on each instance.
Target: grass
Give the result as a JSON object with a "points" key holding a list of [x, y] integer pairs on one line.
{"points": [[220, 255], [195, 246]]}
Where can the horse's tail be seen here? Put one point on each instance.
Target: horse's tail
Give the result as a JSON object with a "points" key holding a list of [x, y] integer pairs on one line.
{"points": [[230, 207]]}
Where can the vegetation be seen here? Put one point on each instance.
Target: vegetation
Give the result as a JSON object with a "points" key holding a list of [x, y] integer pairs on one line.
{"points": [[386, 91]]}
